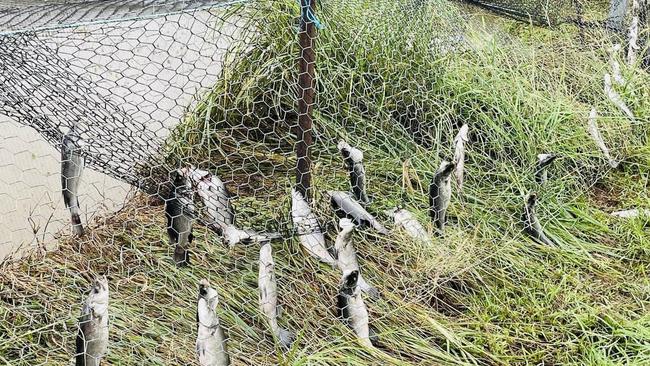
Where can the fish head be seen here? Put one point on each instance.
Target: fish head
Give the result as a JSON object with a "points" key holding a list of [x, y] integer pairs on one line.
{"points": [[350, 280], [266, 255], [342, 145], [392, 212], [346, 225], [98, 297], [179, 179], [546, 158], [231, 236], [350, 153], [531, 200], [208, 294], [463, 133], [445, 169], [199, 175]]}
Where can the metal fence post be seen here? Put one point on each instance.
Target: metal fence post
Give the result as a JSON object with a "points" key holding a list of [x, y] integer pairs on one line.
{"points": [[306, 94]]}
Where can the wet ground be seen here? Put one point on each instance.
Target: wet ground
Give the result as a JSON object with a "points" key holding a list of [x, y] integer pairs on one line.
{"points": [[186, 55]]}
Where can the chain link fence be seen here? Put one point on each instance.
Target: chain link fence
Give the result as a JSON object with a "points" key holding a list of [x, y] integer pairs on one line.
{"points": [[281, 182]]}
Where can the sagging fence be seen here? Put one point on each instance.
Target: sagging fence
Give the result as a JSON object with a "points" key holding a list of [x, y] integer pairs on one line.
{"points": [[216, 111]]}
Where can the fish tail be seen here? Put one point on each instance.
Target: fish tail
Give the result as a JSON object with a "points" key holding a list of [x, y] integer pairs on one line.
{"points": [[544, 239], [181, 256], [77, 228], [286, 338]]}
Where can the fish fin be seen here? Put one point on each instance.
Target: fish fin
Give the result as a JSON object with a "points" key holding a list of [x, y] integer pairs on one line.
{"points": [[286, 338], [368, 289], [78, 230]]}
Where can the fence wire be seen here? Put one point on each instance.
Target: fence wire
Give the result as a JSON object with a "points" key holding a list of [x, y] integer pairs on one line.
{"points": [[441, 152]]}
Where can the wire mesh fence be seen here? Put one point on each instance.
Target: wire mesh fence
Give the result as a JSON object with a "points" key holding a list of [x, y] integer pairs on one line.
{"points": [[217, 193]]}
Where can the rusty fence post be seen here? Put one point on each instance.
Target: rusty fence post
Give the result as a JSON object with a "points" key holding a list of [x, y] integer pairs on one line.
{"points": [[306, 95]]}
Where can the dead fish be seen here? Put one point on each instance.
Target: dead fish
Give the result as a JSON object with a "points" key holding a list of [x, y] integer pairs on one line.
{"points": [[531, 224], [615, 98], [347, 256], [233, 236], [309, 229], [181, 214], [616, 66], [268, 296], [407, 221], [211, 341], [353, 159], [345, 205], [215, 197], [541, 171], [92, 339], [631, 214], [633, 34], [440, 195], [351, 308], [72, 166], [592, 127], [459, 154]]}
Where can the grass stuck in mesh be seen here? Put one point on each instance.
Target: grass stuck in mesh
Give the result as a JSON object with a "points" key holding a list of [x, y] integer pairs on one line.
{"points": [[396, 79]]}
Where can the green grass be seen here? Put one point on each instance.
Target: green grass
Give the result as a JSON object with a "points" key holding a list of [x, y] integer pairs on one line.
{"points": [[484, 294]]}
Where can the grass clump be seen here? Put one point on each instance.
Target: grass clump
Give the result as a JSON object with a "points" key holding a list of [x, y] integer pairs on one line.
{"points": [[396, 79]]}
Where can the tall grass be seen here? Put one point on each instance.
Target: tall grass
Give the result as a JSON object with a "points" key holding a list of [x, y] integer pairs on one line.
{"points": [[396, 79]]}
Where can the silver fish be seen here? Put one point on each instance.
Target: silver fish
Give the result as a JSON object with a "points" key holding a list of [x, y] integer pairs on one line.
{"points": [[459, 154], [631, 214], [268, 295], [592, 127], [440, 195], [541, 171], [351, 308], [233, 236], [405, 219], [72, 166], [347, 256], [633, 33], [353, 159], [309, 229], [615, 98], [92, 339], [531, 225], [616, 66], [180, 213], [215, 197], [211, 341], [345, 205]]}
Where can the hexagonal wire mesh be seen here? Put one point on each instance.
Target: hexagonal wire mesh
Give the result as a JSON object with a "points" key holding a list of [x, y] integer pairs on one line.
{"points": [[194, 104]]}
